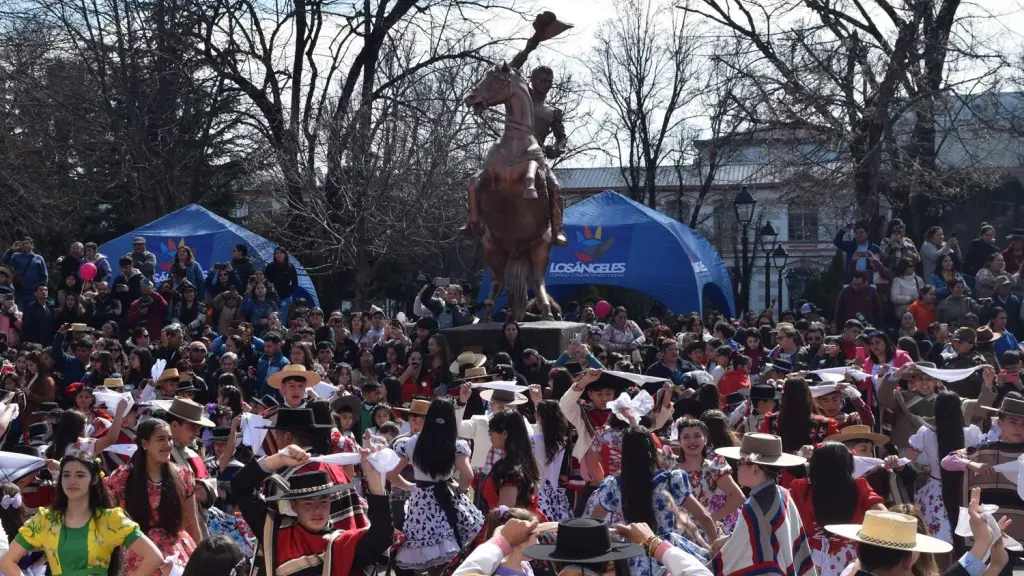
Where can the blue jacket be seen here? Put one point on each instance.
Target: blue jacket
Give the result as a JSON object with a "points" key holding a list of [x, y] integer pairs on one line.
{"points": [[30, 267], [850, 247], [66, 364], [264, 369], [255, 310], [194, 274], [37, 323]]}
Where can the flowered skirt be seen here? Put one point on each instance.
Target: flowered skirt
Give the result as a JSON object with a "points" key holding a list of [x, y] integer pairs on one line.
{"points": [[929, 501], [832, 555], [553, 502], [180, 545], [429, 539], [644, 566]]}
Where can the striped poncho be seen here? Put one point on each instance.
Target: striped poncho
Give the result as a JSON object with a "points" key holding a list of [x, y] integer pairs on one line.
{"points": [[769, 538]]}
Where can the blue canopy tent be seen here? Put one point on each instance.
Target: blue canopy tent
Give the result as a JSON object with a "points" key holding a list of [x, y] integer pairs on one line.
{"points": [[211, 237], [615, 241]]}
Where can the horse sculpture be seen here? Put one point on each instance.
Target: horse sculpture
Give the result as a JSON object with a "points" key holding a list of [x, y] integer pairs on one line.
{"points": [[513, 195]]}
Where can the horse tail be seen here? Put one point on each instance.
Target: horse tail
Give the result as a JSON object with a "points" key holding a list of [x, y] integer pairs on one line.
{"points": [[517, 282]]}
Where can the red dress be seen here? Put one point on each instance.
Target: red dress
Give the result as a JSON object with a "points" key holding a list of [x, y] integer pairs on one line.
{"points": [[489, 492], [839, 553], [821, 428], [180, 542]]}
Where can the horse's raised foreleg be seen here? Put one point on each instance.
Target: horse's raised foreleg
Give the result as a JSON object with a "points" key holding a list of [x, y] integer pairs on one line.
{"points": [[473, 225], [530, 190]]}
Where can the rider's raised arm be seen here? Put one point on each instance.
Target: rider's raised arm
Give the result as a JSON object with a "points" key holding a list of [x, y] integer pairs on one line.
{"points": [[520, 59]]}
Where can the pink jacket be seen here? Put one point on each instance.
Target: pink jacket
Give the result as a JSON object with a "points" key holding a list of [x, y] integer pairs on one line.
{"points": [[899, 359], [11, 326]]}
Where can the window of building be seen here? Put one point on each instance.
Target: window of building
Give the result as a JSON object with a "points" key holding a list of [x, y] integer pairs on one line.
{"points": [[803, 224]]}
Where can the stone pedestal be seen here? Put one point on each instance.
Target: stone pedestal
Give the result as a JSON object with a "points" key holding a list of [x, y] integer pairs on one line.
{"points": [[548, 338]]}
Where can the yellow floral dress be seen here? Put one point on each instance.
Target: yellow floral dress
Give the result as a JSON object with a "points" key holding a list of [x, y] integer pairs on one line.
{"points": [[78, 551]]}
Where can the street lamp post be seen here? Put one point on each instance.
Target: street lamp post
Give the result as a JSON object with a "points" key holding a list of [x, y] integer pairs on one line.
{"points": [[780, 256], [744, 206], [768, 235]]}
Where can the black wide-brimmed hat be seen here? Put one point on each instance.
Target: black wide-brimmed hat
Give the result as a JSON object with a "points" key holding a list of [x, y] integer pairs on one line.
{"points": [[762, 392], [221, 434], [294, 418], [266, 400], [583, 540], [309, 485], [47, 408]]}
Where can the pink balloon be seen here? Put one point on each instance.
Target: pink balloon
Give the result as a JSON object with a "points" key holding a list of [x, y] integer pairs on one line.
{"points": [[602, 308], [87, 271]]}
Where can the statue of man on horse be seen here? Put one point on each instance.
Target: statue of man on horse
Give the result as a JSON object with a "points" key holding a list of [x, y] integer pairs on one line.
{"points": [[514, 199]]}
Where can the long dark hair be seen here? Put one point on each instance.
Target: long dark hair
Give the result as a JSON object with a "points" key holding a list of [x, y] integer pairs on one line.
{"points": [[719, 434], [639, 465], [949, 433], [516, 348], [69, 428], [216, 555], [517, 457], [890, 349], [136, 490], [231, 392], [435, 449], [11, 518], [683, 424], [554, 428], [834, 488], [794, 417], [98, 499]]}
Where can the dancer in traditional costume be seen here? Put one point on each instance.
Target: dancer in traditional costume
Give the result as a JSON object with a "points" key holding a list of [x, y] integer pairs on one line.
{"points": [[768, 510]]}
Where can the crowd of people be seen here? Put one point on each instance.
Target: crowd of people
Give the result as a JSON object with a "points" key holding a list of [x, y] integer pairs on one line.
{"points": [[220, 425]]}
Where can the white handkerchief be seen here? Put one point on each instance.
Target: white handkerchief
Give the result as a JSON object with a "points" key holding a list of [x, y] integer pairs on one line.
{"points": [[840, 371], [1012, 471], [829, 376], [506, 385], [950, 375], [252, 435], [384, 461], [325, 389], [122, 449], [148, 393], [112, 399], [821, 390], [343, 459], [862, 464]]}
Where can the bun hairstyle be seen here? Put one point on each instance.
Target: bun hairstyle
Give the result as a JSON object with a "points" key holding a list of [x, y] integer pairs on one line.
{"points": [[499, 516]]}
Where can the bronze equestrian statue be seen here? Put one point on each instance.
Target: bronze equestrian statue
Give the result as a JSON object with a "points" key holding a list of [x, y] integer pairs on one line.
{"points": [[513, 199]]}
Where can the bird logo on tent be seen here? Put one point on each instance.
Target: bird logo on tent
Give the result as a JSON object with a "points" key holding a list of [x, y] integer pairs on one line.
{"points": [[591, 244], [167, 253]]}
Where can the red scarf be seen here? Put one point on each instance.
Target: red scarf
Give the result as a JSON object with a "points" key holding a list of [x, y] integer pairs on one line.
{"points": [[296, 550], [598, 418]]}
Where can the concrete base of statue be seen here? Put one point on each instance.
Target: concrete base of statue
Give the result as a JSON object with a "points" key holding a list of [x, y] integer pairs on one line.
{"points": [[550, 338]]}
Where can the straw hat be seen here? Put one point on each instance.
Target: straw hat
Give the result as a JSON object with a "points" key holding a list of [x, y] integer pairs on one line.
{"points": [[113, 383], [418, 407], [80, 328], [890, 530], [168, 374], [294, 371], [470, 359], [761, 449], [474, 373], [858, 432]]}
